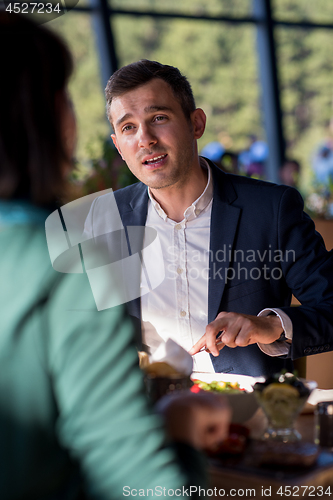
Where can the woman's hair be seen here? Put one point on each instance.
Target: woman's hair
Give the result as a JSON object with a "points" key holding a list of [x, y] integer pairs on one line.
{"points": [[138, 73], [36, 66]]}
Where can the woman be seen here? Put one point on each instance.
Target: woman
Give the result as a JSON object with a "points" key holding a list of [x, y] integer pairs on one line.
{"points": [[72, 403]]}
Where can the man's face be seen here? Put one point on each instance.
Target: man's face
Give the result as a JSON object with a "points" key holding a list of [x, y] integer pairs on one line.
{"points": [[153, 136]]}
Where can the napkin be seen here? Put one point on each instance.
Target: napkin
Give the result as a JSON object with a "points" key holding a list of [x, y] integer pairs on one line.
{"points": [[319, 395], [172, 353]]}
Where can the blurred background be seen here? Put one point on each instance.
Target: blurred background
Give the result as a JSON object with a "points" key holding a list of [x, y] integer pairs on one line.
{"points": [[261, 70]]}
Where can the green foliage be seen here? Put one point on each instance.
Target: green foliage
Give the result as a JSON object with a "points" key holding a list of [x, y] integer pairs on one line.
{"points": [[195, 7], [107, 170], [85, 86], [305, 61]]}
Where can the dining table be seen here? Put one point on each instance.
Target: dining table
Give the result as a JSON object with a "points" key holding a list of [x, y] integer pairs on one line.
{"points": [[241, 477]]}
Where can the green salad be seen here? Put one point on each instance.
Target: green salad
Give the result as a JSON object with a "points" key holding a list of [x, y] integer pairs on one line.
{"points": [[218, 386]]}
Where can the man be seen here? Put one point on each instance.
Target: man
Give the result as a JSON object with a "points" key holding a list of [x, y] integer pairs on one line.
{"points": [[232, 246]]}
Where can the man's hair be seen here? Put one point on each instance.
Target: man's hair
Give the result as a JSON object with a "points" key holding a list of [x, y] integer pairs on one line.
{"points": [[37, 66], [138, 73]]}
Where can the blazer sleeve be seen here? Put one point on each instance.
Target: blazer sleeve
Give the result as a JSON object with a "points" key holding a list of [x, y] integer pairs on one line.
{"points": [[309, 274]]}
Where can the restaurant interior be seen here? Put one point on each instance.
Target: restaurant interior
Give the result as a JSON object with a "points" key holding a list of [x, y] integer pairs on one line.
{"points": [[262, 70]]}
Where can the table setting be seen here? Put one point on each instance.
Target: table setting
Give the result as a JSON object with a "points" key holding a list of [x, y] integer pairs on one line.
{"points": [[277, 446], [288, 456]]}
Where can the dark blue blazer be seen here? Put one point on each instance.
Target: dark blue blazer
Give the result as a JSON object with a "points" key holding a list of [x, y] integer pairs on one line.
{"points": [[263, 249]]}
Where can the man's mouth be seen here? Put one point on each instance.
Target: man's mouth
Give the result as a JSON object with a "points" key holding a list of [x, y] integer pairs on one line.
{"points": [[155, 160]]}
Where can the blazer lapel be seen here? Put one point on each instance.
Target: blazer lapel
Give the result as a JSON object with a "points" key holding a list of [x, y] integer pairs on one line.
{"points": [[224, 222], [134, 213]]}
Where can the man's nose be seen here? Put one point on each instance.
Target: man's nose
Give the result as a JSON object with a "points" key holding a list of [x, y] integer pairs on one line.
{"points": [[146, 137]]}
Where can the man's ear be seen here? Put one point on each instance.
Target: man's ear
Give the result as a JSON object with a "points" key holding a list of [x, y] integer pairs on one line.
{"points": [[198, 119], [115, 142]]}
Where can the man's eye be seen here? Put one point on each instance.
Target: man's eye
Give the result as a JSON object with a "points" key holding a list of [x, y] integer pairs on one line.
{"points": [[127, 127], [159, 118]]}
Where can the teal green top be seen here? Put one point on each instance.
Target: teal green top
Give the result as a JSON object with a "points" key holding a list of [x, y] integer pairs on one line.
{"points": [[71, 391]]}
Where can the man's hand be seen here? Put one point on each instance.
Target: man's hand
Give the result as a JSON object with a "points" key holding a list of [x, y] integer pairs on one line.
{"points": [[201, 420], [238, 330]]}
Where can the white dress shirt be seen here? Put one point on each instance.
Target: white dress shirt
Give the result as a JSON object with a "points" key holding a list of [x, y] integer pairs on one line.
{"points": [[178, 308]]}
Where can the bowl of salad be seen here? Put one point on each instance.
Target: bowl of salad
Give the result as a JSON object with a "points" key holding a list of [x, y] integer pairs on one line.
{"points": [[237, 388]]}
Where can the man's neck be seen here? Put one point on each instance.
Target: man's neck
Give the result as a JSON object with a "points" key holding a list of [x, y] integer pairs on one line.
{"points": [[177, 198]]}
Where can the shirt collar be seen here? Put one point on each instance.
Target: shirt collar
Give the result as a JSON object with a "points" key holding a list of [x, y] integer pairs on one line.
{"points": [[195, 209]]}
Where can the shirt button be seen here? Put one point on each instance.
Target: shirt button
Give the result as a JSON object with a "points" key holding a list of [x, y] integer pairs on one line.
{"points": [[197, 211], [179, 270], [178, 226], [183, 314]]}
